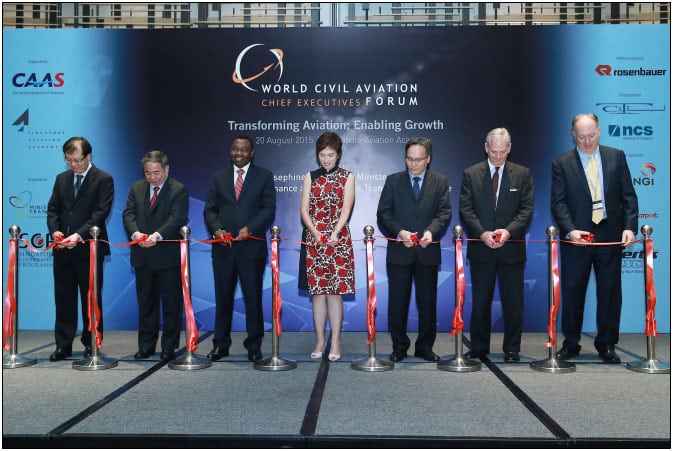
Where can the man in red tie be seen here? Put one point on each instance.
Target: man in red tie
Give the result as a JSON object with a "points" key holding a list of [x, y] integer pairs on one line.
{"points": [[155, 211], [241, 204]]}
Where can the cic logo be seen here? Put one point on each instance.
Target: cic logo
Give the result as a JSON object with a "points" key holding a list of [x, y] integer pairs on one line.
{"points": [[252, 65]]}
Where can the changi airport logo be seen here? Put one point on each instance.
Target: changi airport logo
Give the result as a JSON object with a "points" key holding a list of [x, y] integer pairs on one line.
{"points": [[259, 65], [20, 203], [629, 107], [33, 80], [647, 170], [605, 70]]}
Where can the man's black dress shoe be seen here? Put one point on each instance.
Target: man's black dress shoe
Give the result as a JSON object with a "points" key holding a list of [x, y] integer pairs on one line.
{"points": [[397, 356], [512, 357], [609, 356], [255, 356], [88, 352], [217, 353], [167, 354], [143, 354], [472, 355], [427, 355], [60, 354], [566, 354]]}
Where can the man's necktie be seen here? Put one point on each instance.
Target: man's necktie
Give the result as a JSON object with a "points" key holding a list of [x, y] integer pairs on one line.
{"points": [[595, 188], [239, 183], [417, 187], [494, 182], [154, 196], [78, 183]]}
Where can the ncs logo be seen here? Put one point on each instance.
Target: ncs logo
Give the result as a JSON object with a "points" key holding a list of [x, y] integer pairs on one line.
{"points": [[624, 131], [23, 80]]}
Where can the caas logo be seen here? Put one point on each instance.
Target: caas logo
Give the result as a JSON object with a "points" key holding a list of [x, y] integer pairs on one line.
{"points": [[23, 80], [20, 202], [254, 64], [647, 170]]}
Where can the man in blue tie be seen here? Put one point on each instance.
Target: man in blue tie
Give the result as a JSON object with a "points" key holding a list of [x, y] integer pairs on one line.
{"points": [[414, 208]]}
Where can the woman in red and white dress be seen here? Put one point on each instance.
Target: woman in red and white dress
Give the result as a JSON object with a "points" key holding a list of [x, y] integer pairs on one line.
{"points": [[326, 204]]}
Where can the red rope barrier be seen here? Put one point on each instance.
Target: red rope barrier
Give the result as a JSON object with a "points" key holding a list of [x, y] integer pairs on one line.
{"points": [[372, 302], [458, 322], [556, 294], [192, 331], [10, 298], [650, 322], [92, 297], [277, 299]]}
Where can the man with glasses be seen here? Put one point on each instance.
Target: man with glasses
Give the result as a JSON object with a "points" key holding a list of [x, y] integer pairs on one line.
{"points": [[81, 198], [415, 210], [240, 207]]}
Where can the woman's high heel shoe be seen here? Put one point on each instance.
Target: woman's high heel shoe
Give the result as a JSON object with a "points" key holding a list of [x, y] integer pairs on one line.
{"points": [[318, 355], [334, 357]]}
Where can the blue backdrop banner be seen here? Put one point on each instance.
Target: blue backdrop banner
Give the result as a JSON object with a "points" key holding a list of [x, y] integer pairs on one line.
{"points": [[189, 92]]}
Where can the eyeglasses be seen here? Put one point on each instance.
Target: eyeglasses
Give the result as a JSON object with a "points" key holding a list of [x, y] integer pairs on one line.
{"points": [[416, 160], [72, 160]]}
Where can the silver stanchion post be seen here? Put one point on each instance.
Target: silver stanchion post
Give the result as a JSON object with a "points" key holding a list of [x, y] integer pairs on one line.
{"points": [[275, 362], [371, 363], [651, 364], [14, 360], [551, 364], [95, 361], [458, 363], [190, 361]]}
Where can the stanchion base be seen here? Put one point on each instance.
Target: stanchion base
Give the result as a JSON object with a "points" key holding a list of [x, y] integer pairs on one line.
{"points": [[650, 366], [275, 363], [190, 362], [553, 365], [93, 363], [18, 361], [459, 365], [372, 364]]}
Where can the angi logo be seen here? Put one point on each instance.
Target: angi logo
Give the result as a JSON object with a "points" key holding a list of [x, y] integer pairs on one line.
{"points": [[648, 170], [603, 70], [257, 61]]}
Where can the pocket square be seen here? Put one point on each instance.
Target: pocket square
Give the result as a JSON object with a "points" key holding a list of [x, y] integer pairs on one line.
{"points": [[514, 189]]}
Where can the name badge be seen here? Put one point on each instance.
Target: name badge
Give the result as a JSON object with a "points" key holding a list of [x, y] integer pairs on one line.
{"points": [[598, 205]]}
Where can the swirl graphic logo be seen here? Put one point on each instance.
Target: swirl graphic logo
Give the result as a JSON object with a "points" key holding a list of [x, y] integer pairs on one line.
{"points": [[648, 170], [259, 61], [20, 202]]}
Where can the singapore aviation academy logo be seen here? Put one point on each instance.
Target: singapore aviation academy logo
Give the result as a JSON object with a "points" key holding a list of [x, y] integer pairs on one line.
{"points": [[251, 57]]}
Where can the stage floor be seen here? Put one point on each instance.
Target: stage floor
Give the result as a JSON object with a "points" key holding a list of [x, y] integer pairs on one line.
{"points": [[329, 404]]}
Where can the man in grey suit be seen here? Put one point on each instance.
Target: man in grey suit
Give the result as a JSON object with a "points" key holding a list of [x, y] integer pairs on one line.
{"points": [[414, 208], [241, 203], [82, 198], [603, 204], [155, 211], [496, 206]]}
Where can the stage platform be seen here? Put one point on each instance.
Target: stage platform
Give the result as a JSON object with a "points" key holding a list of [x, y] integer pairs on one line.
{"points": [[324, 404]]}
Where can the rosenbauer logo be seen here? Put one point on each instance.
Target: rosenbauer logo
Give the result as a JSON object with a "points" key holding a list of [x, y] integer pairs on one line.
{"points": [[605, 70], [253, 64]]}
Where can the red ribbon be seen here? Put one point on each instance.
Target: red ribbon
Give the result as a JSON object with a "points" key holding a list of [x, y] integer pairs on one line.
{"points": [[556, 294], [92, 297], [414, 238], [372, 303], [10, 298], [458, 322], [650, 292], [277, 299], [192, 331]]}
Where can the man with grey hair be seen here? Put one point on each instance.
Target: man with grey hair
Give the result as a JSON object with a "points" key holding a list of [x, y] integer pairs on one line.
{"points": [[155, 211], [496, 206]]}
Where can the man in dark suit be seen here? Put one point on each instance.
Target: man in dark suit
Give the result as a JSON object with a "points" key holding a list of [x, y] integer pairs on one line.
{"points": [[415, 209], [496, 206], [155, 211], [81, 198], [241, 204], [592, 195]]}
